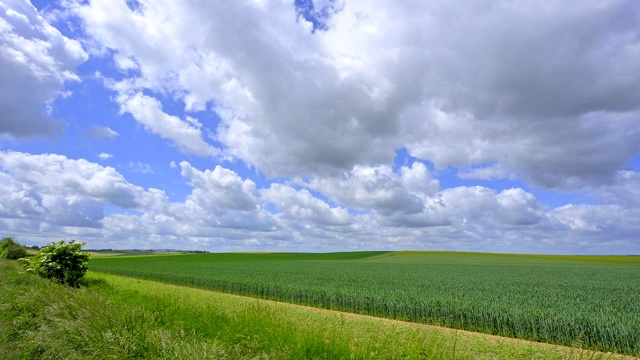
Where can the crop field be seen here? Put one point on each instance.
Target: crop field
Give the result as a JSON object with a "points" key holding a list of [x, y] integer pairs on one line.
{"points": [[587, 302]]}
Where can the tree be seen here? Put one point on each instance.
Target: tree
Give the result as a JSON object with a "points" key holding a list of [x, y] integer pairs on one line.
{"points": [[61, 262], [10, 249]]}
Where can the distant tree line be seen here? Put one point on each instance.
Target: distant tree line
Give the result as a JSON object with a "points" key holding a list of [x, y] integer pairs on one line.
{"points": [[149, 251]]}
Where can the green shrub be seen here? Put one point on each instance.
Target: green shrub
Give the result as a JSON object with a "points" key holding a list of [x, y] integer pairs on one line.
{"points": [[10, 249], [6, 242], [60, 262], [14, 252]]}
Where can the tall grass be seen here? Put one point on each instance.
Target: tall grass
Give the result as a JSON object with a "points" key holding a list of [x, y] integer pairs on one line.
{"points": [[122, 318], [43, 320], [119, 318], [585, 303]]}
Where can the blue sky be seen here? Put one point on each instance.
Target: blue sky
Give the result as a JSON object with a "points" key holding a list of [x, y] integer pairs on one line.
{"points": [[322, 125]]}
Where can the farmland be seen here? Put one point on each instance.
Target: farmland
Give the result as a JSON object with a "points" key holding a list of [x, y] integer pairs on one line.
{"points": [[588, 302], [116, 317]]}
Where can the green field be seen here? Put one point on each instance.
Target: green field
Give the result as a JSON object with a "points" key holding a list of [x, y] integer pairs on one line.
{"points": [[589, 302], [116, 317]]}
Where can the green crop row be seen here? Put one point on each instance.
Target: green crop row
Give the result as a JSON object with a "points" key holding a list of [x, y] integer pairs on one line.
{"points": [[555, 301]]}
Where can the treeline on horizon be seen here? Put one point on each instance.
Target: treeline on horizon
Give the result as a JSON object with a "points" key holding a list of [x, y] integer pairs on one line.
{"points": [[148, 251]]}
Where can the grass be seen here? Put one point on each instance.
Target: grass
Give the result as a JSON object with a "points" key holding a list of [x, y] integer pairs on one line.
{"points": [[123, 318], [589, 302]]}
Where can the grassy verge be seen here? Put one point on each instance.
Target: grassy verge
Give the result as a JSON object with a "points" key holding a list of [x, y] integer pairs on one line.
{"points": [[123, 318], [580, 303]]}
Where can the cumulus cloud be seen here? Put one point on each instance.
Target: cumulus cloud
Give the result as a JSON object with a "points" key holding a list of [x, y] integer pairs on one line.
{"points": [[19, 200], [326, 95], [57, 174], [147, 110], [411, 197], [380, 188], [220, 189], [58, 196], [548, 93], [624, 190], [622, 224], [533, 89], [301, 205], [36, 61], [105, 156], [54, 189], [249, 86], [480, 204], [221, 210]]}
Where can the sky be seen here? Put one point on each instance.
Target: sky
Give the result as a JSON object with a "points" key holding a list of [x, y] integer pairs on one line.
{"points": [[322, 125]]}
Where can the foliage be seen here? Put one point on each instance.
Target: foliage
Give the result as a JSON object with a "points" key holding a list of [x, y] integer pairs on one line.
{"points": [[6, 242], [574, 301], [10, 249], [60, 262]]}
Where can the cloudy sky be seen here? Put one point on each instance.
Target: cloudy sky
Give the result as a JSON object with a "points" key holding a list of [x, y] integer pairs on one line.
{"points": [[322, 125]]}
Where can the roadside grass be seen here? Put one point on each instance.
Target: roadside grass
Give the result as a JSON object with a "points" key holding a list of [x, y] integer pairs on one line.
{"points": [[114, 317], [313, 333], [590, 304], [43, 320]]}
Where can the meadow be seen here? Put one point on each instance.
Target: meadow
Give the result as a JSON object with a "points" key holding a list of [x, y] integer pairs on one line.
{"points": [[116, 317], [586, 302]]}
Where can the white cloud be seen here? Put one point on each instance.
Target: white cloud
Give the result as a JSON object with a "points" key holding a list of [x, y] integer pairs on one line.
{"points": [[517, 207], [64, 198], [139, 167], [546, 94], [623, 190], [19, 200], [482, 205], [478, 206], [534, 91], [487, 172], [302, 206], [105, 156], [52, 189], [57, 175], [418, 179], [36, 60], [380, 188], [591, 221], [125, 63], [411, 197], [220, 189], [101, 132], [148, 111], [221, 209]]}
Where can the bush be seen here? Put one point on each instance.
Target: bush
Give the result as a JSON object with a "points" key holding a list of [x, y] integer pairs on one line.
{"points": [[10, 249], [60, 262], [14, 252]]}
